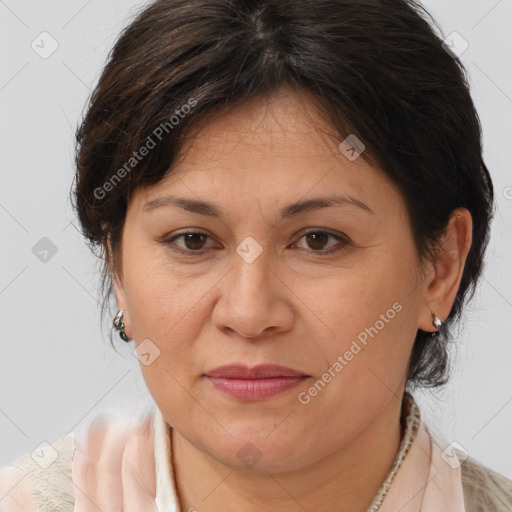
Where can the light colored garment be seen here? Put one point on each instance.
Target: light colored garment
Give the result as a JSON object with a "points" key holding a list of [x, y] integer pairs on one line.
{"points": [[127, 466]]}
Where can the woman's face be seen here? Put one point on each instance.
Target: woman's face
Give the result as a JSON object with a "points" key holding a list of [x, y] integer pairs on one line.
{"points": [[330, 289]]}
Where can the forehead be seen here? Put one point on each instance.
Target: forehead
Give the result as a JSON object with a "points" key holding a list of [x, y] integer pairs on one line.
{"points": [[280, 147], [270, 126]]}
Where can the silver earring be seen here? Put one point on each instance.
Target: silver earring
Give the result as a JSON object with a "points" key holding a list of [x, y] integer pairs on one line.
{"points": [[436, 321], [119, 325]]}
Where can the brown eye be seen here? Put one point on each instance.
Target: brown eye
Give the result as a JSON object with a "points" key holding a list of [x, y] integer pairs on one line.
{"points": [[191, 242], [323, 241], [317, 241], [194, 241]]}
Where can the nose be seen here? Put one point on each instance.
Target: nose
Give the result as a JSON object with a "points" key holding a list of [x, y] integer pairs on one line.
{"points": [[254, 300]]}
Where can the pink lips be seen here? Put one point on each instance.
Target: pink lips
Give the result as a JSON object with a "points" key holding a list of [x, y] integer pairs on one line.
{"points": [[257, 383]]}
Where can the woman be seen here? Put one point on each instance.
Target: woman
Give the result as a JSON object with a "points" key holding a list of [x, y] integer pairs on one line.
{"points": [[293, 209]]}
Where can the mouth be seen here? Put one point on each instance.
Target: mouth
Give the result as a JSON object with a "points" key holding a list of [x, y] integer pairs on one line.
{"points": [[262, 371], [256, 383]]}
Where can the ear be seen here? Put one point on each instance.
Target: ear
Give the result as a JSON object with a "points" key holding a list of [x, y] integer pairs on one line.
{"points": [[443, 279], [117, 282]]}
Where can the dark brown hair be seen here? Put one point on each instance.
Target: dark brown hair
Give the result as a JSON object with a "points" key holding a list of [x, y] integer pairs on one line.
{"points": [[376, 68]]}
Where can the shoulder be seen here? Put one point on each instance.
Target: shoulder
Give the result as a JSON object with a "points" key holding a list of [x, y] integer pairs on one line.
{"points": [[484, 489], [45, 479], [40, 476], [15, 495]]}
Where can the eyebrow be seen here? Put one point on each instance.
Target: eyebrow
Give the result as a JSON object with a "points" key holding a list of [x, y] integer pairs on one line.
{"points": [[297, 208]]}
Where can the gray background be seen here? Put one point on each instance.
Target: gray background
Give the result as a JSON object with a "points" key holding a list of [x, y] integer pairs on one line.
{"points": [[57, 370]]}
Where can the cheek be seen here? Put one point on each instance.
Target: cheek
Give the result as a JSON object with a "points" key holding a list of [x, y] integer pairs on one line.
{"points": [[171, 311], [159, 299], [364, 361], [371, 315], [167, 313]]}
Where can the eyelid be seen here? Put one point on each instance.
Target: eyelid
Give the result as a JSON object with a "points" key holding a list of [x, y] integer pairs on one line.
{"points": [[341, 237], [169, 240], [335, 234]]}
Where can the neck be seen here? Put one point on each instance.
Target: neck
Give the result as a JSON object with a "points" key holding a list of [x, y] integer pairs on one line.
{"points": [[347, 479]]}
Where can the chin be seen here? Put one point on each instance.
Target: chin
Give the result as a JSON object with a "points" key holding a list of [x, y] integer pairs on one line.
{"points": [[259, 450]]}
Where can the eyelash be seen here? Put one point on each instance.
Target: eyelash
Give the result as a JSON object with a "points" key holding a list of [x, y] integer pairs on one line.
{"points": [[169, 242]]}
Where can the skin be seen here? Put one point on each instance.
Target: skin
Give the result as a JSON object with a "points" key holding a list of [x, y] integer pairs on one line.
{"points": [[292, 306]]}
